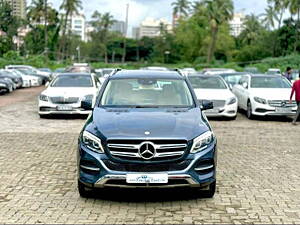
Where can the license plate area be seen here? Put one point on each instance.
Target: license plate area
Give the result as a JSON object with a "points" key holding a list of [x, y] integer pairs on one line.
{"points": [[283, 110], [64, 108], [145, 178]]}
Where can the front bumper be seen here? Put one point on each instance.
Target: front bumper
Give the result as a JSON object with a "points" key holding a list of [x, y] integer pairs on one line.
{"points": [[226, 111], [48, 108], [198, 170], [259, 109]]}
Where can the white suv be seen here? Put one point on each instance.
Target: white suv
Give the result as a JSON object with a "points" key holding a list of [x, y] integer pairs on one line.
{"points": [[66, 92], [262, 95]]}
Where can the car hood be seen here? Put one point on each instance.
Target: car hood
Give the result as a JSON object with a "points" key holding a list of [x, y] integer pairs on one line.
{"points": [[161, 123], [271, 93], [213, 94], [69, 92]]}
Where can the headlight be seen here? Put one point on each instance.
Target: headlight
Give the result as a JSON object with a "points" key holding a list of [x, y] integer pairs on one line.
{"points": [[92, 142], [44, 98], [200, 143], [260, 100], [2, 85], [232, 101]]}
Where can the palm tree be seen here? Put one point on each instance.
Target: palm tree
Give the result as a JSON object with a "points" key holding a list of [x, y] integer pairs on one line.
{"points": [[181, 7], [218, 13], [101, 24], [270, 17], [70, 7], [252, 29], [36, 13], [294, 7]]}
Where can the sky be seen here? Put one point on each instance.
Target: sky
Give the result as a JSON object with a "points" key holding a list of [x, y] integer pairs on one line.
{"points": [[140, 9]]}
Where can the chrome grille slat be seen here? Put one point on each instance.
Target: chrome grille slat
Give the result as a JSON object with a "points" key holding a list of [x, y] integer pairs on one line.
{"points": [[281, 103], [162, 151], [63, 100]]}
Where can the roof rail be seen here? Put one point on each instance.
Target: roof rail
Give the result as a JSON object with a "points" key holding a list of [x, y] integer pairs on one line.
{"points": [[115, 71], [179, 71]]}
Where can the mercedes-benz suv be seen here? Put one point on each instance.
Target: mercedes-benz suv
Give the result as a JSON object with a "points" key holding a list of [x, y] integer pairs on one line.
{"points": [[147, 129]]}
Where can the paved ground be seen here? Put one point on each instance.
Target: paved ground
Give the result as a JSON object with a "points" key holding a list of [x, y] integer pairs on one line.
{"points": [[258, 176]]}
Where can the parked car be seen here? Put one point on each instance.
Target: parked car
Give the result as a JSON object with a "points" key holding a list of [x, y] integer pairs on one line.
{"points": [[5, 86], [217, 71], [215, 89], [103, 73], [188, 71], [44, 75], [48, 70], [56, 72], [263, 95], [65, 93], [252, 70], [232, 78], [155, 68], [142, 133], [295, 76], [26, 81], [273, 71], [15, 79], [36, 79]]}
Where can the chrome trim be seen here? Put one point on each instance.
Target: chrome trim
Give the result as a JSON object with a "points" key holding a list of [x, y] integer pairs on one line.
{"points": [[138, 146], [103, 180], [90, 168], [204, 168]]}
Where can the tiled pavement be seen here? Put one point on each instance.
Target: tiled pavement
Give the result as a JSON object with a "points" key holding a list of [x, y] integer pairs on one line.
{"points": [[258, 176]]}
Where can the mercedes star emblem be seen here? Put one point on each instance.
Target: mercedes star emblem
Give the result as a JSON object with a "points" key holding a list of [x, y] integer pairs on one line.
{"points": [[147, 150]]}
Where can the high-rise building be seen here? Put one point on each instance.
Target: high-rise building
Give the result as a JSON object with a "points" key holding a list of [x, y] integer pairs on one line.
{"points": [[77, 25], [151, 27], [18, 7], [237, 24], [118, 26]]}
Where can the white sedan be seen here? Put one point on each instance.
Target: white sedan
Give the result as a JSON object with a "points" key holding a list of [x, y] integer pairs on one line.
{"points": [[262, 95], [66, 92], [215, 89]]}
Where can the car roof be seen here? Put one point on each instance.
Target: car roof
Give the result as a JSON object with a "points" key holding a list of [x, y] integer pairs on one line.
{"points": [[233, 74], [76, 74], [136, 74], [204, 76]]}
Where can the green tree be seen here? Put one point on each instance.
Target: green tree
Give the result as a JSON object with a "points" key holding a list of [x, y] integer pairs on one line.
{"points": [[294, 6], [218, 13], [252, 29], [101, 24], [270, 17], [181, 7], [70, 7]]}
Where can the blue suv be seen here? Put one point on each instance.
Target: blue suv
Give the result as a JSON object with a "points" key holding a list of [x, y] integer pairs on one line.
{"points": [[147, 129]]}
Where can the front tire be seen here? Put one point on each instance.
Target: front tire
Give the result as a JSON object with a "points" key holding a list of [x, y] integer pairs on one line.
{"points": [[249, 114], [210, 192], [83, 191]]}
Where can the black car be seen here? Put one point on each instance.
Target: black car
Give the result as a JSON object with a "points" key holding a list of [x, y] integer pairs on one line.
{"points": [[25, 71], [16, 80], [5, 86]]}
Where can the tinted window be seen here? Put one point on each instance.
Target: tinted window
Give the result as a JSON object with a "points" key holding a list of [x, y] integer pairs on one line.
{"points": [[147, 93], [269, 82], [72, 81], [207, 83]]}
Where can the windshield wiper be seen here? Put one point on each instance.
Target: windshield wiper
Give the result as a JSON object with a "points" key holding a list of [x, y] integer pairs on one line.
{"points": [[145, 106]]}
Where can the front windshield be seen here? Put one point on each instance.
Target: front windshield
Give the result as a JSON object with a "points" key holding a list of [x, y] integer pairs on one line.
{"points": [[269, 82], [147, 92], [207, 83], [72, 81]]}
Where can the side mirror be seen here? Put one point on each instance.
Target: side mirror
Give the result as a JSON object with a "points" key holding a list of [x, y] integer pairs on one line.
{"points": [[47, 83], [206, 105], [245, 85], [87, 104]]}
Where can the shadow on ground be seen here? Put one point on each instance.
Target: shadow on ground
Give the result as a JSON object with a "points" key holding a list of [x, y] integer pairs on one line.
{"points": [[146, 195]]}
